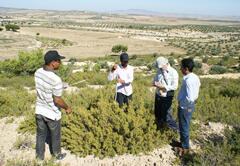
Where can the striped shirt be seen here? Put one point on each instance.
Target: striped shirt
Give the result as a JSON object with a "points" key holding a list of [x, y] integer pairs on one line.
{"points": [[48, 84], [170, 82], [125, 74], [189, 90]]}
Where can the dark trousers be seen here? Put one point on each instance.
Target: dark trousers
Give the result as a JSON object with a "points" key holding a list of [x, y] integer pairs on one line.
{"points": [[47, 131], [162, 111], [123, 99], [184, 117]]}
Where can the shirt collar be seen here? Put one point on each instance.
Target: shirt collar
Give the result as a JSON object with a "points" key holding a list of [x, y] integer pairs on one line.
{"points": [[122, 66], [188, 75], [49, 70]]}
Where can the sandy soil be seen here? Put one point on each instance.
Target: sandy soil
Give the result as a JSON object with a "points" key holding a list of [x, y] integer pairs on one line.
{"points": [[87, 43]]}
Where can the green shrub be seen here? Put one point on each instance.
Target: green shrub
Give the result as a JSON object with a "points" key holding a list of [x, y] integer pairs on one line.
{"points": [[150, 66], [72, 60], [225, 151], [217, 102], [205, 60], [27, 63], [97, 67], [134, 56], [12, 27], [23, 142], [197, 64], [15, 102], [16, 81], [119, 48], [98, 126], [225, 58], [216, 69], [171, 61], [230, 91]]}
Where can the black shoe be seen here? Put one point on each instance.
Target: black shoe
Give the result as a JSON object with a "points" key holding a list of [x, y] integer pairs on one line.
{"points": [[60, 157]]}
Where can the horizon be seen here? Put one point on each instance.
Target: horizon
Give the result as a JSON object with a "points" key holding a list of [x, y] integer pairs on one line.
{"points": [[220, 8]]}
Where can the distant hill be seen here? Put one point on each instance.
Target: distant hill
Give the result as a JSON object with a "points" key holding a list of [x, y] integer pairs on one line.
{"points": [[136, 11], [8, 9]]}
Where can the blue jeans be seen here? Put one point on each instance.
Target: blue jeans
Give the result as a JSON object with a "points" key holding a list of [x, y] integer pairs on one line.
{"points": [[162, 111], [184, 117]]}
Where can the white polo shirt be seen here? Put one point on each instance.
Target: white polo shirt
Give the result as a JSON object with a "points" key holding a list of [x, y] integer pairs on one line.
{"points": [[48, 84], [125, 74]]}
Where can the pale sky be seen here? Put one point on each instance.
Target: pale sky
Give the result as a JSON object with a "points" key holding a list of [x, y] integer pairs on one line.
{"points": [[199, 7]]}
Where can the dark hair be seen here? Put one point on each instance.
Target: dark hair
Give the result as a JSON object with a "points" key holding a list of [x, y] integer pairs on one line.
{"points": [[188, 63]]}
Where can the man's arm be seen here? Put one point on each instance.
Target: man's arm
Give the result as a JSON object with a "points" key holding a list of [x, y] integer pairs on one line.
{"points": [[60, 102], [112, 75]]}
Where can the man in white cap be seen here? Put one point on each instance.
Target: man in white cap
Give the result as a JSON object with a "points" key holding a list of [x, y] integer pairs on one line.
{"points": [[166, 82]]}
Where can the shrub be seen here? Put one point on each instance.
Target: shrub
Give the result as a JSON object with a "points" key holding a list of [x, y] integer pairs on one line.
{"points": [[197, 64], [27, 63], [96, 67], [23, 142], [119, 48], [1, 29], [72, 60], [171, 61], [134, 56], [15, 102], [216, 69], [150, 66], [155, 55], [225, 151], [98, 126], [205, 60], [12, 27]]}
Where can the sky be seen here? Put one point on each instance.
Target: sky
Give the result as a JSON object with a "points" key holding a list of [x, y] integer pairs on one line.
{"points": [[196, 7]]}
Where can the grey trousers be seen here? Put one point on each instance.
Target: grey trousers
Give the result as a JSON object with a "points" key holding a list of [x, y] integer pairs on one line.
{"points": [[47, 131]]}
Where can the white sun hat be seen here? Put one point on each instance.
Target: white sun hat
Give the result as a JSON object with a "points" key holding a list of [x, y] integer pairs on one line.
{"points": [[161, 61]]}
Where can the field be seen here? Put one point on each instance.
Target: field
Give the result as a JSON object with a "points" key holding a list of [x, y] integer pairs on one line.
{"points": [[98, 132]]}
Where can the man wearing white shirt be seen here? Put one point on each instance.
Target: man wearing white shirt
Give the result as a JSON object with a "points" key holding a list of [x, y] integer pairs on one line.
{"points": [[166, 82], [123, 74], [48, 107], [186, 97]]}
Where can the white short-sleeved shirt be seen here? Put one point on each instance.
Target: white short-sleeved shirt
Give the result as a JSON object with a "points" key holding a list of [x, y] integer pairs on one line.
{"points": [[125, 74], [48, 85]]}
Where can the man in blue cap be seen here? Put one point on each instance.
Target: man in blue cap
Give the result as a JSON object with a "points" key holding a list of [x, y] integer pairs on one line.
{"points": [[123, 73]]}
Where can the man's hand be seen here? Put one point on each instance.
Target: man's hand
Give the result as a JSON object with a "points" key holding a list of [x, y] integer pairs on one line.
{"points": [[157, 84], [115, 66], [68, 111], [65, 85], [120, 81]]}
